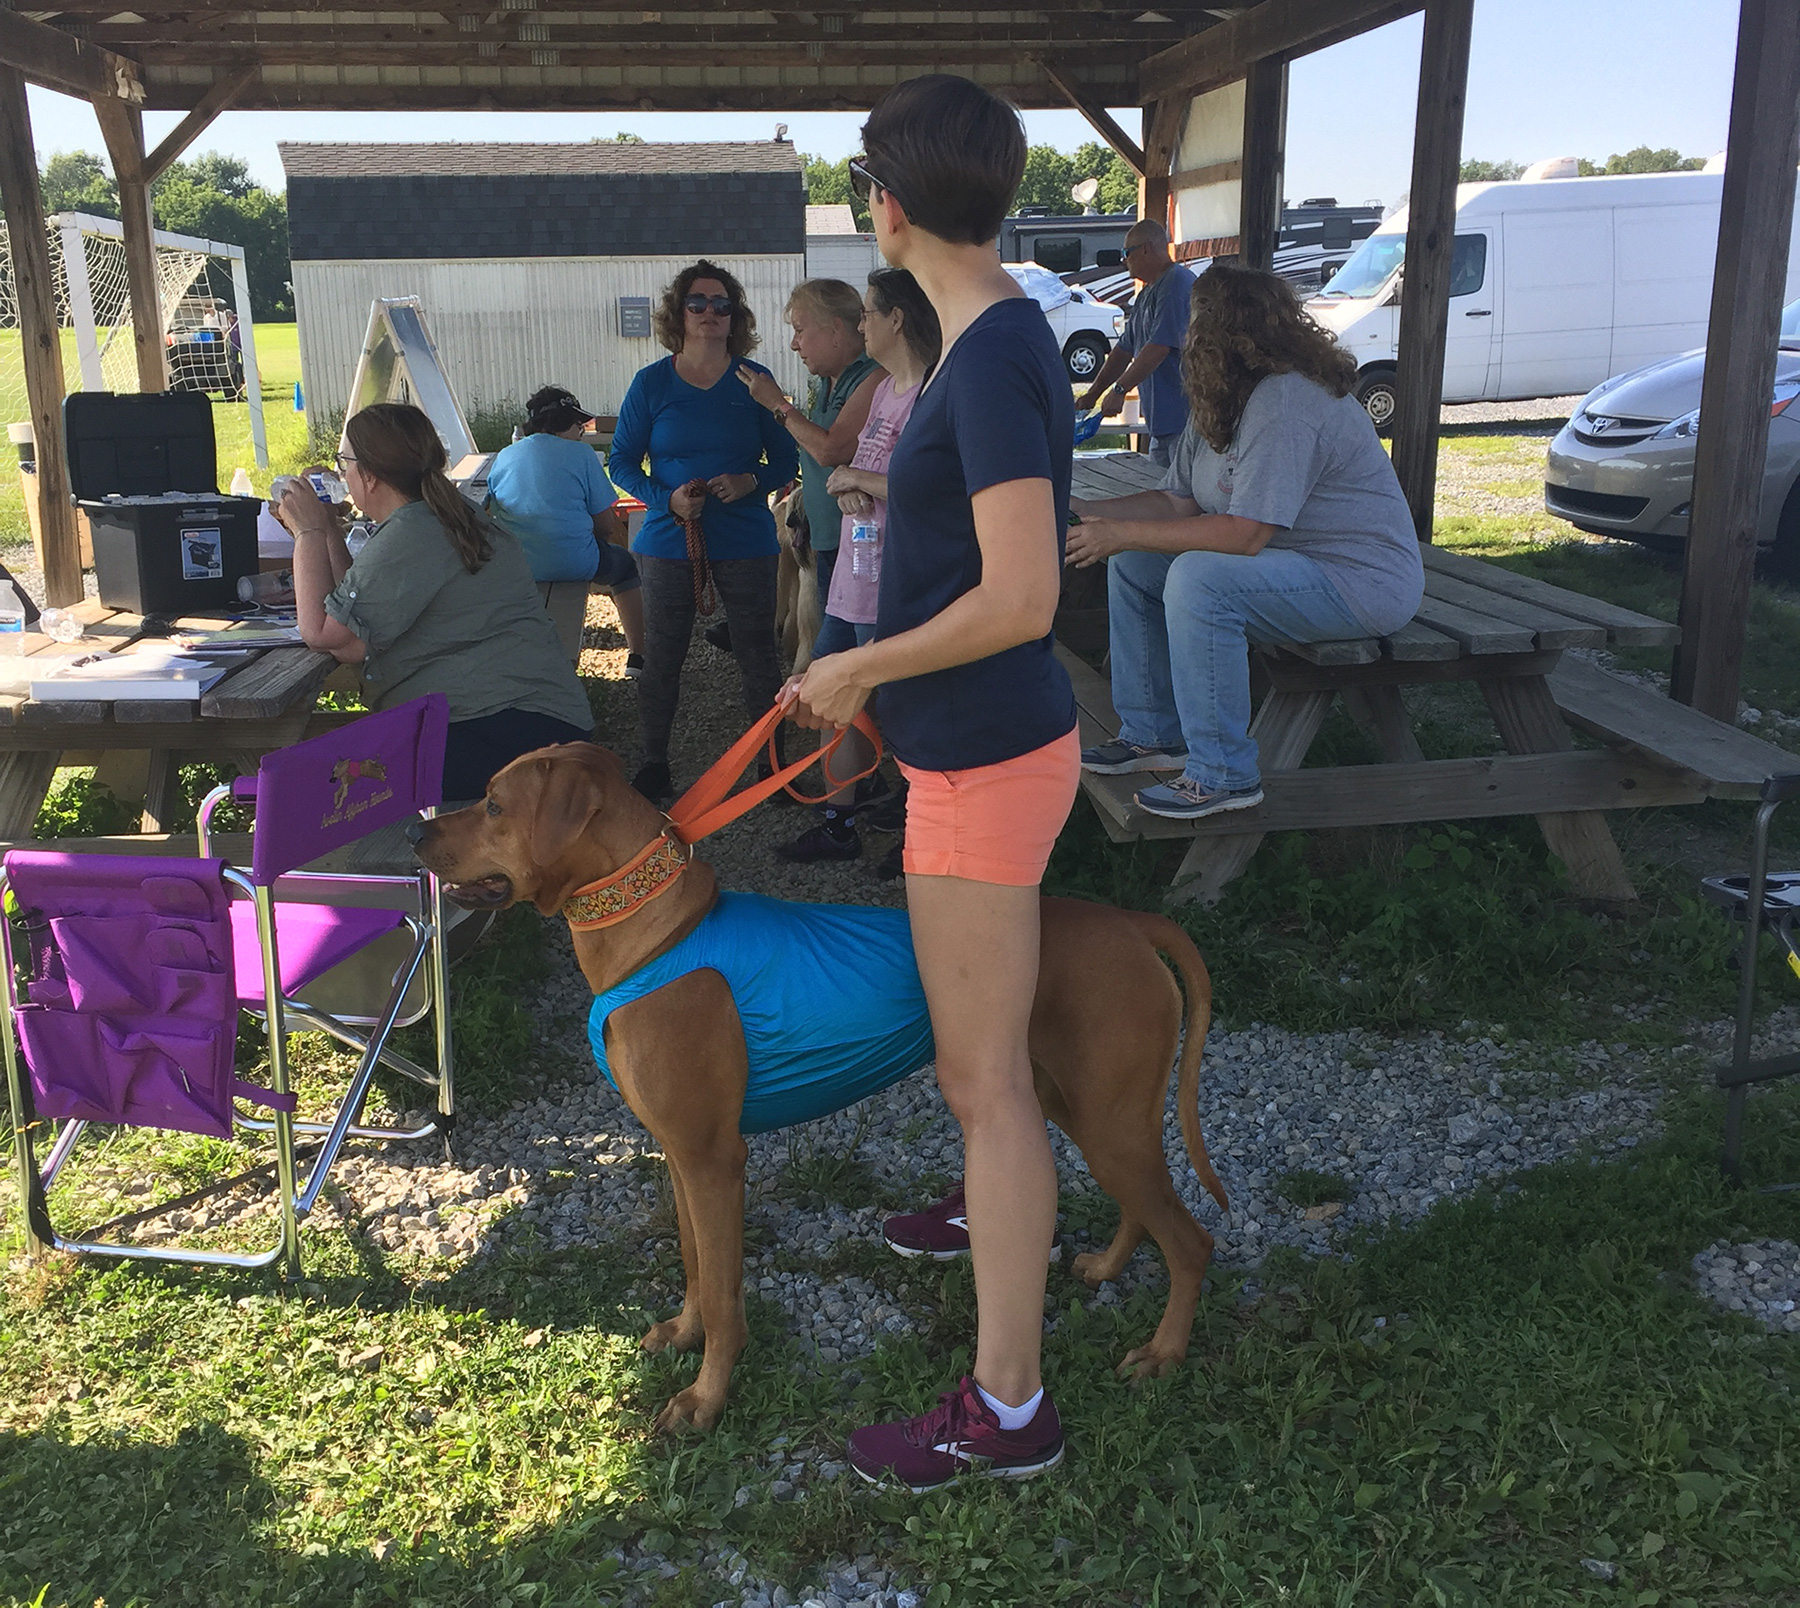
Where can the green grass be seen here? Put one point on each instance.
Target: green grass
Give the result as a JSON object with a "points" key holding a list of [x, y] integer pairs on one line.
{"points": [[1458, 1416], [278, 356], [1453, 1415]]}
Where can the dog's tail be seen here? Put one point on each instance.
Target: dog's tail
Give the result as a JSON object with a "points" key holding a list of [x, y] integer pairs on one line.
{"points": [[1175, 945]]}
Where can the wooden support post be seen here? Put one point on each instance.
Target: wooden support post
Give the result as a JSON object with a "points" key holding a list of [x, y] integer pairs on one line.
{"points": [[1430, 242], [1755, 214], [40, 337], [1162, 129], [123, 127], [1265, 156]]}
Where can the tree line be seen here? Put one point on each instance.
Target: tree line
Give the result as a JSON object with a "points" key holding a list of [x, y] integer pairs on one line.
{"points": [[1049, 174], [1639, 159], [212, 196]]}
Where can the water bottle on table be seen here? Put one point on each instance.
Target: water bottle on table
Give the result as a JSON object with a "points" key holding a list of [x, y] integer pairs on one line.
{"points": [[865, 540], [12, 619]]}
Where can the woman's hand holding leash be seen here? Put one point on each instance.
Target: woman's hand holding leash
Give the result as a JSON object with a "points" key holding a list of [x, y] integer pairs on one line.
{"points": [[731, 488], [830, 694], [685, 503]]}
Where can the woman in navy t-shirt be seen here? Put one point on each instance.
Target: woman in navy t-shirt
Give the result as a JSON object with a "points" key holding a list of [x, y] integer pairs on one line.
{"points": [[982, 719]]}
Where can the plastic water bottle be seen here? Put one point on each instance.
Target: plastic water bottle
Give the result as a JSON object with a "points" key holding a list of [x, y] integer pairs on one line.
{"points": [[60, 625], [12, 619], [241, 485], [865, 536]]}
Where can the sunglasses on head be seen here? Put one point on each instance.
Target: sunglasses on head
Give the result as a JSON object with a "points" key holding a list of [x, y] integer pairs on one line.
{"points": [[862, 181], [710, 304]]}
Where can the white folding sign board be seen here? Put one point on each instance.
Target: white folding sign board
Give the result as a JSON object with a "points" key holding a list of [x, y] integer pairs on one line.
{"points": [[400, 363]]}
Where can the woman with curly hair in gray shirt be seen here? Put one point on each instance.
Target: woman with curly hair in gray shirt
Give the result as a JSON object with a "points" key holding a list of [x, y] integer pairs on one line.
{"points": [[1280, 521]]}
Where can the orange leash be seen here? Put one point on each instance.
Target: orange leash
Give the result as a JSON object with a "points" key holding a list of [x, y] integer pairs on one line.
{"points": [[705, 807], [702, 809], [706, 594]]}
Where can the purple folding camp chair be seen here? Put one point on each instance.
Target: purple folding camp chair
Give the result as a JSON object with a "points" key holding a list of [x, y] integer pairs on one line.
{"points": [[139, 966]]}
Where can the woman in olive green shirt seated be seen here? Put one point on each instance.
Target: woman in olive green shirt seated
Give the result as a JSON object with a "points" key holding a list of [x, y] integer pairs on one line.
{"points": [[440, 600]]}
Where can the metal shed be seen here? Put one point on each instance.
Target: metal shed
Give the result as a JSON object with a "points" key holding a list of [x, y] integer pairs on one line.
{"points": [[528, 258]]}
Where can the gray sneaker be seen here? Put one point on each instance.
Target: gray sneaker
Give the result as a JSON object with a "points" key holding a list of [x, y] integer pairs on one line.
{"points": [[1186, 800], [1119, 758]]}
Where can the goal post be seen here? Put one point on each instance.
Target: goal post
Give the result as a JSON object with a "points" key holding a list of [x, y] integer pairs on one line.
{"points": [[94, 303]]}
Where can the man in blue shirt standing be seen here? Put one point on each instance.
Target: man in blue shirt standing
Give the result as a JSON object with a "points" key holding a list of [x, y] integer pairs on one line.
{"points": [[1148, 355]]}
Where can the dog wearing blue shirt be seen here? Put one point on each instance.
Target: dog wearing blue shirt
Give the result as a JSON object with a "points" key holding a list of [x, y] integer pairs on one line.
{"points": [[718, 1014]]}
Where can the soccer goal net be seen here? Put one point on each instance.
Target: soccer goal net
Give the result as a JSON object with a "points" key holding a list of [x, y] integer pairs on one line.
{"points": [[201, 294]]}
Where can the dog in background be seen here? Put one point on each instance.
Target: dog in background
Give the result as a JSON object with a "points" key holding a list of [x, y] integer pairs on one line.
{"points": [[799, 610], [1106, 1028]]}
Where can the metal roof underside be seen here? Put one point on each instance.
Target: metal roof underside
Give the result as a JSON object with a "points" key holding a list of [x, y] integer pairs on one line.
{"points": [[561, 54]]}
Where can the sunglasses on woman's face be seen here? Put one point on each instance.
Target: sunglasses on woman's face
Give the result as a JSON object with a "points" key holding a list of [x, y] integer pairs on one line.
{"points": [[721, 305]]}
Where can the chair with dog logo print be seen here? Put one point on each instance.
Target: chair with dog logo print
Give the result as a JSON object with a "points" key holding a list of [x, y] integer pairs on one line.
{"points": [[137, 969]]}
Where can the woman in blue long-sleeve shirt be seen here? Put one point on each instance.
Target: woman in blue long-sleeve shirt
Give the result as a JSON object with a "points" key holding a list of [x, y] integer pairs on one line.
{"points": [[688, 418]]}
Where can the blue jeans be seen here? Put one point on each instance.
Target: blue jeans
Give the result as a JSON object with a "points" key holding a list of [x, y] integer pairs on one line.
{"points": [[1181, 625], [839, 636]]}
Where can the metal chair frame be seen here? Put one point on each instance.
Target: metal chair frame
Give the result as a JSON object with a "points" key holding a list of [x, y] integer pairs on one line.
{"points": [[1753, 903], [419, 900]]}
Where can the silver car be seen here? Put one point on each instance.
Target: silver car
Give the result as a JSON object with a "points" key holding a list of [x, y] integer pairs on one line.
{"points": [[1624, 463]]}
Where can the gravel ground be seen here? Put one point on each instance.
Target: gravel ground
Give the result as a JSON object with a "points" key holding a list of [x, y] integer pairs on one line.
{"points": [[1760, 1279], [1400, 1123]]}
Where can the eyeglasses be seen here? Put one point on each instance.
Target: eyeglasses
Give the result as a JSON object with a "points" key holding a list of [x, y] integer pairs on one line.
{"points": [[342, 459], [862, 181], [721, 305]]}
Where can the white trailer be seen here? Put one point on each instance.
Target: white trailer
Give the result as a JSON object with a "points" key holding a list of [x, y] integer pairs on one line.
{"points": [[1556, 284]]}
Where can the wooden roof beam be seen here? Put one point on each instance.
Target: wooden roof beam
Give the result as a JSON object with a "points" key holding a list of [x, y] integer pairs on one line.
{"points": [[52, 59], [223, 92], [1278, 28], [1099, 118], [913, 57]]}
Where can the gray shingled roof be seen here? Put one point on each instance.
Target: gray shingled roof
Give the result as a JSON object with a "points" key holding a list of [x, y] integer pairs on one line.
{"points": [[450, 160]]}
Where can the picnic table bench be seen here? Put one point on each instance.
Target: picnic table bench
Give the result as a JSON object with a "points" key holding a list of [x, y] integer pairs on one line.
{"points": [[263, 703], [1478, 622]]}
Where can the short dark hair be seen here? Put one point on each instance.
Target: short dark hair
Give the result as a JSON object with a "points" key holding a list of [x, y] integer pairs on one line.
{"points": [[951, 153], [896, 291], [670, 322]]}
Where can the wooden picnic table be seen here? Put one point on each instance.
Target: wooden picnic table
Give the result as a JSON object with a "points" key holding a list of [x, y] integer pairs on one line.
{"points": [[263, 703], [1478, 622]]}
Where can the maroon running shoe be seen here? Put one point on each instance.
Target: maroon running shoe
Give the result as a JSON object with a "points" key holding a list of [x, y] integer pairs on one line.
{"points": [[940, 1232], [959, 1436]]}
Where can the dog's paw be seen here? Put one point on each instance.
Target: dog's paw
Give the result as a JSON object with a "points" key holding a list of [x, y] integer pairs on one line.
{"points": [[679, 1333], [688, 1409], [1146, 1362], [1093, 1269]]}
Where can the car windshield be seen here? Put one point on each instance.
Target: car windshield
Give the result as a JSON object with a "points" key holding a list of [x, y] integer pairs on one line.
{"points": [[1790, 324], [1370, 267]]}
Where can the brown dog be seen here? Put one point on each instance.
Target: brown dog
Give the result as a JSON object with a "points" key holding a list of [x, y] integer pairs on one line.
{"points": [[799, 610], [1104, 1031]]}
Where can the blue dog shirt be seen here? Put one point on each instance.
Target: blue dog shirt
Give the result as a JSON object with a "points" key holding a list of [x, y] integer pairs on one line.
{"points": [[829, 996]]}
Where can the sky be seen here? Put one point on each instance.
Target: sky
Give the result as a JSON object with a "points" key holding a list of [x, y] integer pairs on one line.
{"points": [[1546, 78]]}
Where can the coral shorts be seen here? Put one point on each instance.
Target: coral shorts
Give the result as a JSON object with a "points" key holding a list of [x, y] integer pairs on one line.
{"points": [[992, 823]]}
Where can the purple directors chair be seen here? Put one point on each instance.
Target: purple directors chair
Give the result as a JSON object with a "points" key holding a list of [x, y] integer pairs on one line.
{"points": [[136, 969]]}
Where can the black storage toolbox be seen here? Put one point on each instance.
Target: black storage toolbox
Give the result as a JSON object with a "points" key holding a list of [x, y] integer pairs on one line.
{"points": [[144, 469]]}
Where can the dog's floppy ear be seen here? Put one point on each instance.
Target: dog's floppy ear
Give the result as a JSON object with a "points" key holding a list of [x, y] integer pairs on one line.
{"points": [[568, 799]]}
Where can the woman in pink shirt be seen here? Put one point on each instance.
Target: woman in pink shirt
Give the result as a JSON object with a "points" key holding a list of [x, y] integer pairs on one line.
{"points": [[900, 330]]}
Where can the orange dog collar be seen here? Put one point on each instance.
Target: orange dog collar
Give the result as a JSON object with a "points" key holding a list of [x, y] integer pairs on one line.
{"points": [[610, 900]]}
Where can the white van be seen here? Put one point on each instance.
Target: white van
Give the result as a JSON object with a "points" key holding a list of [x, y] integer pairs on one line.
{"points": [[1555, 285]]}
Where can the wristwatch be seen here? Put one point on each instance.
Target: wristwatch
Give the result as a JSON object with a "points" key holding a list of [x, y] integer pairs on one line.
{"points": [[782, 411]]}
